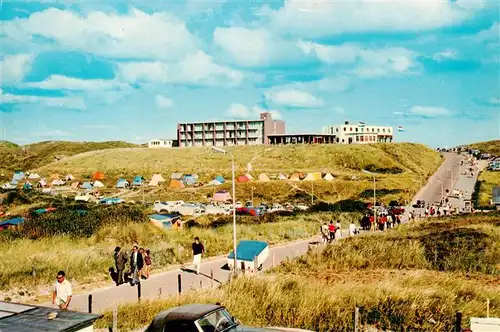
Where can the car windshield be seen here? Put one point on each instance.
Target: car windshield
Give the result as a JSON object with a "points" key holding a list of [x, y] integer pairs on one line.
{"points": [[216, 321]]}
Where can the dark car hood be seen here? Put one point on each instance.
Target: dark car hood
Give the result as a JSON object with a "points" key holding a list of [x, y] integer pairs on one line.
{"points": [[243, 328]]}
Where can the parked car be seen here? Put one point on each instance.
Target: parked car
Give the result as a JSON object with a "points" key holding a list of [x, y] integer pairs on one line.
{"points": [[112, 200], [166, 206], [203, 318], [419, 204], [302, 207]]}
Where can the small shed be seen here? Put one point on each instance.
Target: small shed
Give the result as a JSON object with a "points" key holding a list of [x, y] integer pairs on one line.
{"points": [[21, 317]]}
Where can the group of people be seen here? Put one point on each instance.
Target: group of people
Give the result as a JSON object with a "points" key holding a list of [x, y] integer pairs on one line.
{"points": [[140, 266], [383, 222], [333, 231]]}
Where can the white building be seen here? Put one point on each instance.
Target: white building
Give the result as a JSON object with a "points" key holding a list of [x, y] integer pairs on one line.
{"points": [[160, 143], [360, 133]]}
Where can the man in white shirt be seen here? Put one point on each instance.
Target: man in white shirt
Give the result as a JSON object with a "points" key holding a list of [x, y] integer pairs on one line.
{"points": [[62, 291], [352, 229]]}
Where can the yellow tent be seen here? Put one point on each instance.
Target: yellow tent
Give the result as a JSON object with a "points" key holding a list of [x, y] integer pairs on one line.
{"points": [[328, 177], [295, 177], [264, 178]]}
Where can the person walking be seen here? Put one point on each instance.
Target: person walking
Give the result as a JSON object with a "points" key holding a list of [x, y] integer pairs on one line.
{"points": [[62, 291], [198, 251], [120, 261], [324, 233], [331, 229], [147, 261], [136, 264]]}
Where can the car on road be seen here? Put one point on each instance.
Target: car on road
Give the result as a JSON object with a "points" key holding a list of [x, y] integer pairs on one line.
{"points": [[419, 204], [203, 318], [302, 207]]}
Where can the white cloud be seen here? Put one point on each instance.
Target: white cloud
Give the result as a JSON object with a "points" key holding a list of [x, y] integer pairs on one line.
{"points": [[445, 55], [51, 133], [135, 34], [163, 102], [14, 67], [198, 68], [255, 47], [489, 35], [322, 18], [294, 98], [371, 62], [239, 111], [63, 102], [339, 110], [493, 101], [58, 82], [430, 112]]}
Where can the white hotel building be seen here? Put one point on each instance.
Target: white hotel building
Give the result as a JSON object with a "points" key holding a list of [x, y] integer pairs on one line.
{"points": [[360, 133]]}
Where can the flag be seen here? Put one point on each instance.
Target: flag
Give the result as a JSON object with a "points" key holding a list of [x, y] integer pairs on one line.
{"points": [[400, 128], [361, 123]]}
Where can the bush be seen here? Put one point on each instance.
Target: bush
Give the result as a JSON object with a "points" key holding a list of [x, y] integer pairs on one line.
{"points": [[368, 193], [389, 170], [70, 221]]}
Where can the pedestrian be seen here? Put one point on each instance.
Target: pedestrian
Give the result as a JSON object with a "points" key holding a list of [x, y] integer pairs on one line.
{"points": [[324, 233], [352, 229], [120, 261], [198, 251], [62, 291], [147, 261], [331, 229], [338, 230], [136, 264]]}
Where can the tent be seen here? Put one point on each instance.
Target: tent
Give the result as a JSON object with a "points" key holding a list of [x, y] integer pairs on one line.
{"points": [[57, 182], [176, 176], [264, 178], [86, 185], [75, 185], [189, 180], [175, 184], [328, 177], [214, 183], [33, 176], [313, 176], [55, 176], [242, 178], [249, 177], [18, 176], [41, 184], [282, 177], [98, 184], [156, 179], [220, 178], [295, 177], [138, 181], [27, 186], [69, 177], [221, 196], [8, 186], [122, 183], [98, 176]]}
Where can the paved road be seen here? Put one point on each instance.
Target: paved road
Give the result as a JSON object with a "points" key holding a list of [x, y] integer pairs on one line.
{"points": [[165, 284]]}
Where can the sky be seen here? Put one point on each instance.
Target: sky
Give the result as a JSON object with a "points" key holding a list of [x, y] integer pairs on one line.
{"points": [[132, 70]]}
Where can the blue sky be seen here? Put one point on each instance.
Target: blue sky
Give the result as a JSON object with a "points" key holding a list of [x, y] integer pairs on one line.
{"points": [[118, 70]]}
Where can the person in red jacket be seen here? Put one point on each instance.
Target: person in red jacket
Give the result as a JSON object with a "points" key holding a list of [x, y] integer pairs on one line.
{"points": [[331, 228]]}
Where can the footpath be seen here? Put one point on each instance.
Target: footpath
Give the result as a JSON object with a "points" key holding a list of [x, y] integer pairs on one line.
{"points": [[165, 284]]}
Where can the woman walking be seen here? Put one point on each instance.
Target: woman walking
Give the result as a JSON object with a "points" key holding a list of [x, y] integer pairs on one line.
{"points": [[147, 262]]}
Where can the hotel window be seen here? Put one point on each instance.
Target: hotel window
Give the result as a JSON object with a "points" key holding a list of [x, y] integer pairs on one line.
{"points": [[383, 130], [356, 129], [378, 130], [350, 129], [345, 129]]}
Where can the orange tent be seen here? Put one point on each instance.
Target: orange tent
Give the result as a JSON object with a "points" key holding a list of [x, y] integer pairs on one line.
{"points": [[98, 176], [176, 184], [242, 178]]}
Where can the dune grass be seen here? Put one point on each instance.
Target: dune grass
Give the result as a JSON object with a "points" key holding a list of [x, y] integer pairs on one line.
{"points": [[86, 260], [491, 147], [270, 159], [412, 278], [15, 157], [488, 180]]}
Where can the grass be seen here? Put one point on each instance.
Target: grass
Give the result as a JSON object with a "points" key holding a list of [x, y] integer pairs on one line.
{"points": [[488, 180], [86, 260], [411, 163], [491, 147], [412, 278], [15, 157]]}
